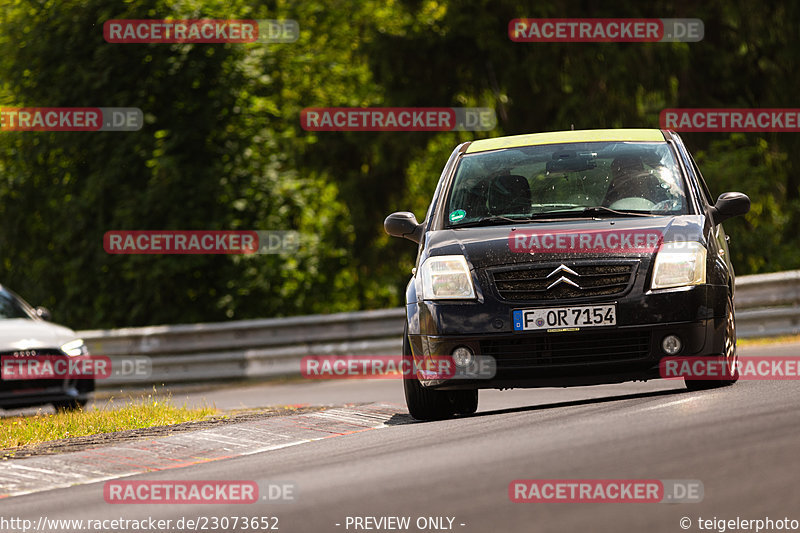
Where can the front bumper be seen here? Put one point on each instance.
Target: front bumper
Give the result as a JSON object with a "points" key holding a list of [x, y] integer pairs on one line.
{"points": [[629, 351], [67, 390]]}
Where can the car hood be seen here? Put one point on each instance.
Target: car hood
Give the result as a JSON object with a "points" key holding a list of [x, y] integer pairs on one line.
{"points": [[26, 334], [490, 246]]}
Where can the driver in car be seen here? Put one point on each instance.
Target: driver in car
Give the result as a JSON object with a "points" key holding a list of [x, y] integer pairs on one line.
{"points": [[632, 186]]}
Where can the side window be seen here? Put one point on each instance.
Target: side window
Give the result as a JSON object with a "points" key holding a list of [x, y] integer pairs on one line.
{"points": [[10, 308], [703, 186], [447, 168]]}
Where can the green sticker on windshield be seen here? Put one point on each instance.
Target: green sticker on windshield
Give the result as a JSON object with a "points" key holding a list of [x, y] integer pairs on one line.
{"points": [[457, 215]]}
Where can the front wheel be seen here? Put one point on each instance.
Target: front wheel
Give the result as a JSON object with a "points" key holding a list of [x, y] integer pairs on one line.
{"points": [[729, 356], [427, 404]]}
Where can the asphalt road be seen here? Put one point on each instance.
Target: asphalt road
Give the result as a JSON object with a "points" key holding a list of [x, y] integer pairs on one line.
{"points": [[741, 442]]}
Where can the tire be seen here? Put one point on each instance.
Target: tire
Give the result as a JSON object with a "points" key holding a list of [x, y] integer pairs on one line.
{"points": [[465, 402], [70, 405], [729, 356], [426, 404], [85, 387]]}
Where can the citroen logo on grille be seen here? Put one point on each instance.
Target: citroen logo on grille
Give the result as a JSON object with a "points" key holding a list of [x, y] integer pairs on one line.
{"points": [[563, 279], [563, 268]]}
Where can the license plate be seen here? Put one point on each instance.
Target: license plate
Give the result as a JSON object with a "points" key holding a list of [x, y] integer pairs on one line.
{"points": [[588, 316]]}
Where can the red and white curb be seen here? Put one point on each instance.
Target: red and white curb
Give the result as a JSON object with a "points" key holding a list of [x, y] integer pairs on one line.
{"points": [[36, 474]]}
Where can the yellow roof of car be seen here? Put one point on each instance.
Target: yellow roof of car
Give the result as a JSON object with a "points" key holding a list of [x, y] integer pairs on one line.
{"points": [[557, 137]]}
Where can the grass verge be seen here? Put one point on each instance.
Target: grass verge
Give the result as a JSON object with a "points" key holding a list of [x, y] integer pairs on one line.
{"points": [[136, 414], [757, 341]]}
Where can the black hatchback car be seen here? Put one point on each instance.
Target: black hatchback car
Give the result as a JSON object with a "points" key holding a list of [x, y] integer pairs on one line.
{"points": [[568, 258]]}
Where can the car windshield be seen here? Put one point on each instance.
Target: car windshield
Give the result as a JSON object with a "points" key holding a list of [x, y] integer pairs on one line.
{"points": [[10, 308], [567, 180]]}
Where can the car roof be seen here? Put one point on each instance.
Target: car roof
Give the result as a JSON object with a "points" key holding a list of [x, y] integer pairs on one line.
{"points": [[558, 137]]}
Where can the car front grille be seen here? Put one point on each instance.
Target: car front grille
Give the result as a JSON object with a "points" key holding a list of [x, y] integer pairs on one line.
{"points": [[536, 351], [36, 352], [563, 281]]}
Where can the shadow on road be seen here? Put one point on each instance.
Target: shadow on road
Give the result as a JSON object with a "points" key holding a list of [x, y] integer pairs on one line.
{"points": [[588, 401], [399, 419]]}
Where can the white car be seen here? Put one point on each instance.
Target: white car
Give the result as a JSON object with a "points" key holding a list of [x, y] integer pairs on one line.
{"points": [[25, 332]]}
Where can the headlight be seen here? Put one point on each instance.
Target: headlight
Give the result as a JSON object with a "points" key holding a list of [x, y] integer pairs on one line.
{"points": [[75, 348], [679, 264], [446, 277]]}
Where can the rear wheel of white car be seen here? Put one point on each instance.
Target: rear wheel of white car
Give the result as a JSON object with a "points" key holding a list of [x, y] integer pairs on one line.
{"points": [[427, 404], [70, 405], [729, 356]]}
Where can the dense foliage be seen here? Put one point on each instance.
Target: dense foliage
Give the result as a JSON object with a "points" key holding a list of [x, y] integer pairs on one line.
{"points": [[222, 146]]}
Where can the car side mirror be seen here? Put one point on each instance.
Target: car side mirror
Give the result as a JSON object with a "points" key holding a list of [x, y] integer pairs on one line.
{"points": [[730, 204], [403, 224], [43, 313]]}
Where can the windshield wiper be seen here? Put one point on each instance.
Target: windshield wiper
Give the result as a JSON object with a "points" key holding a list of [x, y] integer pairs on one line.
{"points": [[590, 212], [602, 210], [495, 220], [585, 212]]}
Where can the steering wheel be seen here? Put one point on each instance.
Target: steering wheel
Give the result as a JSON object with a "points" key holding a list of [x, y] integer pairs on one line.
{"points": [[668, 205], [633, 203]]}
